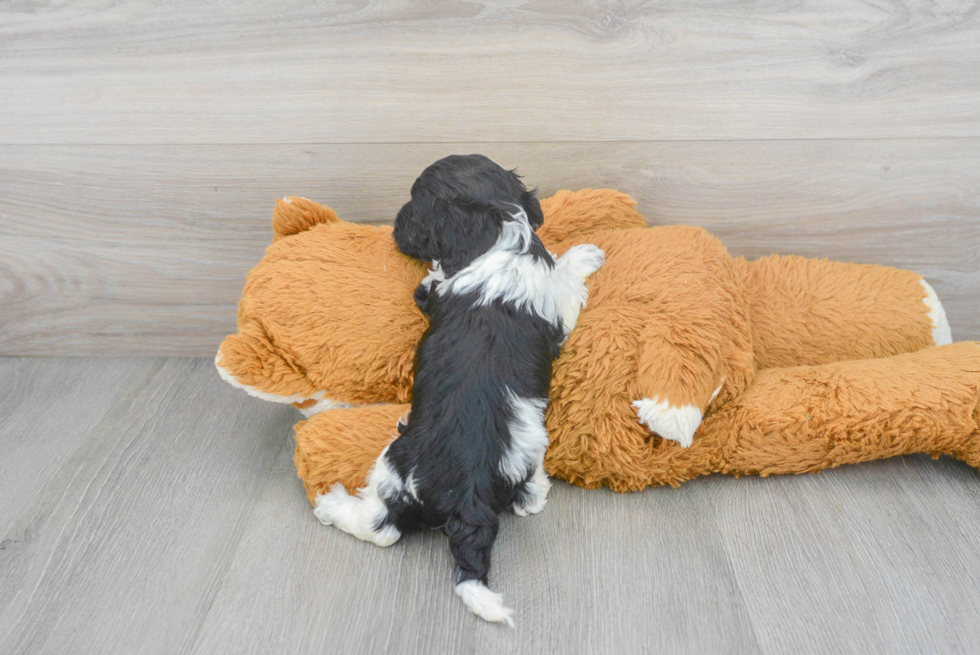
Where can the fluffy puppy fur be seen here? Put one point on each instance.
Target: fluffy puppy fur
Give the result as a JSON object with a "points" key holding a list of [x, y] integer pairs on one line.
{"points": [[500, 306]]}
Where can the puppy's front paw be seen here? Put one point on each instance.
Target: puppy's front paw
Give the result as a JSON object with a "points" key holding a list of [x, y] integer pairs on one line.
{"points": [[585, 259], [422, 293], [673, 423]]}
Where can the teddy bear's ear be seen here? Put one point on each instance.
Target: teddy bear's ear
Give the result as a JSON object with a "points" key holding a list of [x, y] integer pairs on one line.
{"points": [[294, 214], [570, 216]]}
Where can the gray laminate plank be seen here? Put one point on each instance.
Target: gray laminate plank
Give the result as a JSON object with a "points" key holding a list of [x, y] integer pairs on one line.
{"points": [[48, 409], [866, 559], [596, 572], [165, 516], [143, 250], [128, 539], [417, 71]]}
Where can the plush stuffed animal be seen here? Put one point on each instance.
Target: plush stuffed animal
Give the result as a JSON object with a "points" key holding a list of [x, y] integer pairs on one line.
{"points": [[686, 361]]}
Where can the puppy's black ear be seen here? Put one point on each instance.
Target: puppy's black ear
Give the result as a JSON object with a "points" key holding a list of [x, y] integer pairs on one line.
{"points": [[464, 232], [532, 208], [411, 237]]}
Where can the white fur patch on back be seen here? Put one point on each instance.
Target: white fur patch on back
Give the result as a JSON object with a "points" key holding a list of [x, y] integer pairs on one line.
{"points": [[941, 334], [528, 437], [674, 423], [484, 603], [508, 272]]}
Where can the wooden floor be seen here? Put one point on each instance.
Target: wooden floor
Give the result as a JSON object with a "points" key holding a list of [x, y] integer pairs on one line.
{"points": [[148, 507]]}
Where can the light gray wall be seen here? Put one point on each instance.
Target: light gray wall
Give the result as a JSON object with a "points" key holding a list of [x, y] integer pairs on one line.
{"points": [[142, 148]]}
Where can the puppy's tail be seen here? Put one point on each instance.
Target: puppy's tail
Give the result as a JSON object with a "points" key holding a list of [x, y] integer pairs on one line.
{"points": [[471, 539]]}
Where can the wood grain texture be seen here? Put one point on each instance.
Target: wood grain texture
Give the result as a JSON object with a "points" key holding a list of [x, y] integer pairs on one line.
{"points": [[144, 249], [121, 541], [878, 547], [590, 574], [539, 70], [47, 410], [167, 517]]}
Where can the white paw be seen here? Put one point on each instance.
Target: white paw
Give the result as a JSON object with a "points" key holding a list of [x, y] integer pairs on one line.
{"points": [[674, 423], [585, 259], [328, 503], [532, 506], [536, 495], [486, 604], [356, 515]]}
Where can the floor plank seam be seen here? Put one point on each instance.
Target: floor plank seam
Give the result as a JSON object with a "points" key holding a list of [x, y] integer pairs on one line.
{"points": [[730, 561]]}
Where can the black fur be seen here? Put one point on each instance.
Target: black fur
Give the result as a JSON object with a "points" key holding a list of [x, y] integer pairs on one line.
{"points": [[458, 207], [467, 361]]}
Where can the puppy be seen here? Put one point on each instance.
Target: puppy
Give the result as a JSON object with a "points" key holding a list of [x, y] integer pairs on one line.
{"points": [[500, 306]]}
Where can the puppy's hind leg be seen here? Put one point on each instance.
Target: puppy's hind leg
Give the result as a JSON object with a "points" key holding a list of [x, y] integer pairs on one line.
{"points": [[366, 515], [471, 540], [534, 496]]}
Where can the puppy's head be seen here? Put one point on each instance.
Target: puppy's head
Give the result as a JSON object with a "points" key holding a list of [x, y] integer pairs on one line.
{"points": [[458, 208]]}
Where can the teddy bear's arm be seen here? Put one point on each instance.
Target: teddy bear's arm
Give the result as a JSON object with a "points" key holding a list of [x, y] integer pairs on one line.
{"points": [[250, 360], [695, 328], [678, 375]]}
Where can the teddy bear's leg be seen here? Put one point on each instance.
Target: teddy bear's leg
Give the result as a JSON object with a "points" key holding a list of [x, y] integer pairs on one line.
{"points": [[341, 446], [810, 311], [941, 333], [679, 375], [809, 418]]}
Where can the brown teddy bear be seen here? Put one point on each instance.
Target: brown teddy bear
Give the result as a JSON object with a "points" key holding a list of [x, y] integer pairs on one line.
{"points": [[686, 361]]}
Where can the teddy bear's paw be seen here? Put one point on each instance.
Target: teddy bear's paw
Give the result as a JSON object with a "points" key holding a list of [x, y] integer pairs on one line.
{"points": [[535, 495], [584, 260], [674, 423], [941, 334]]}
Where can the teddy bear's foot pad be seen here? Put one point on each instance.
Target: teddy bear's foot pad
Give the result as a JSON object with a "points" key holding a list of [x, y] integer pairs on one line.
{"points": [[674, 423]]}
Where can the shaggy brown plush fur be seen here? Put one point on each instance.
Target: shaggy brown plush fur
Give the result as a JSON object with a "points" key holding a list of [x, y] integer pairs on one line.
{"points": [[329, 313], [790, 420]]}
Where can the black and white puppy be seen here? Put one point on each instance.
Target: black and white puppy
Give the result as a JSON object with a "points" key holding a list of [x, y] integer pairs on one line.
{"points": [[500, 306]]}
